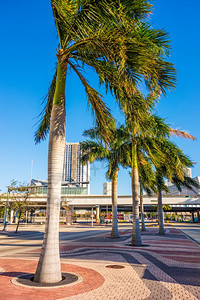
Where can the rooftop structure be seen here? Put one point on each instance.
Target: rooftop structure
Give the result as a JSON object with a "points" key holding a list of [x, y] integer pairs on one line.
{"points": [[185, 191], [66, 188], [173, 191]]}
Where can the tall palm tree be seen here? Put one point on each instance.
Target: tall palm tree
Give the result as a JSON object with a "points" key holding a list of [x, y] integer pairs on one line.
{"points": [[168, 160], [115, 153], [114, 39], [146, 180], [172, 165], [86, 35], [148, 132], [138, 113]]}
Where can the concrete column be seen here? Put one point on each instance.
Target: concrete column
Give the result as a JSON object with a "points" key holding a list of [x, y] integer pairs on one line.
{"points": [[68, 215], [16, 218], [31, 216], [11, 216], [192, 217], [92, 216], [198, 216], [97, 214], [26, 216]]}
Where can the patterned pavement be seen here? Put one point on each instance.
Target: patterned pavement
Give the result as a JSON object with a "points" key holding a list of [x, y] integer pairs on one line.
{"points": [[167, 267]]}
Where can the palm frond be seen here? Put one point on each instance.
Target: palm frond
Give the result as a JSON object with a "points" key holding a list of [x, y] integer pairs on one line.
{"points": [[104, 118], [159, 127], [44, 126], [92, 151], [181, 133], [187, 182], [116, 151]]}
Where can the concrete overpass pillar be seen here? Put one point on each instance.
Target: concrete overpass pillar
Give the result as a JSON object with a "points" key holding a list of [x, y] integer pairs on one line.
{"points": [[198, 216], [26, 217], [92, 215], [68, 215], [31, 216], [97, 214], [16, 217], [192, 217], [11, 216]]}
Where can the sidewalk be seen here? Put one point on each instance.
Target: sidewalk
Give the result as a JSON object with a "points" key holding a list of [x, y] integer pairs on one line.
{"points": [[166, 267], [192, 230]]}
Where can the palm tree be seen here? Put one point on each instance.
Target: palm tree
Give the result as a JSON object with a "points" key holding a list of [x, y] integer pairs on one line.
{"points": [[138, 113], [161, 187], [114, 40], [115, 153], [170, 163], [87, 36], [168, 160], [147, 133], [146, 180]]}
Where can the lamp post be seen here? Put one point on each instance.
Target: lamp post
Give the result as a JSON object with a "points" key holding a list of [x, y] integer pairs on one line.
{"points": [[68, 211], [5, 211]]}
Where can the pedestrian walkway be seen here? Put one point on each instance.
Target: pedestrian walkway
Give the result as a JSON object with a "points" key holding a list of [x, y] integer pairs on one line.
{"points": [[166, 267], [191, 230]]}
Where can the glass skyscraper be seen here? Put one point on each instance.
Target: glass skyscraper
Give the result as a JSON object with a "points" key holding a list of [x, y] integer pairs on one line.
{"points": [[74, 172]]}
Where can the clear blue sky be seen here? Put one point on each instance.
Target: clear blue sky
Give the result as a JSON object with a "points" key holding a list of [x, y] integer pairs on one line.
{"points": [[27, 60]]}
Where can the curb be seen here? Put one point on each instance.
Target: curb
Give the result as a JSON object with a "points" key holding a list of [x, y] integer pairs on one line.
{"points": [[191, 238]]}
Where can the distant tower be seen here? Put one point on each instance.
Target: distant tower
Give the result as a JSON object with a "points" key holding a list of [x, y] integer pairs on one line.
{"points": [[107, 188], [73, 171]]}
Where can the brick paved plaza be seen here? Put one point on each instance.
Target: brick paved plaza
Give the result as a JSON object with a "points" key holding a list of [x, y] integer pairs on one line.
{"points": [[165, 267]]}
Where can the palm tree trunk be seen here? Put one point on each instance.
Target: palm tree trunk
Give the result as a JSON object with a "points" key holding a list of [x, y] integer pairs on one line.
{"points": [[136, 236], [114, 232], [142, 209], [49, 269], [160, 214]]}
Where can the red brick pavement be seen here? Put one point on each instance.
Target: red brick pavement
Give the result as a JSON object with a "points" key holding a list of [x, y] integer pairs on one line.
{"points": [[13, 268], [187, 259]]}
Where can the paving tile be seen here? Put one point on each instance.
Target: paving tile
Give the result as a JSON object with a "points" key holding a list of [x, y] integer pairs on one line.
{"points": [[169, 268]]}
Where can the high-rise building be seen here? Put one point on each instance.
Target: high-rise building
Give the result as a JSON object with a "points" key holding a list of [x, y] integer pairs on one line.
{"points": [[74, 172]]}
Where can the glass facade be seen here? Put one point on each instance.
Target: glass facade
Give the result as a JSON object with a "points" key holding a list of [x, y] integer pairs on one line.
{"points": [[64, 190], [73, 170]]}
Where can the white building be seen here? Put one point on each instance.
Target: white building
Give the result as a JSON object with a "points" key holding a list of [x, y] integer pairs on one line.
{"points": [[188, 172], [185, 191], [73, 171]]}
